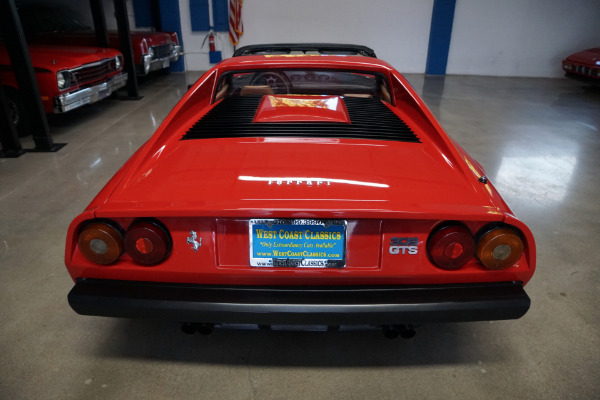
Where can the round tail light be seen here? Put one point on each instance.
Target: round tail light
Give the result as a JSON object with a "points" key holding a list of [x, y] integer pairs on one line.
{"points": [[500, 248], [147, 242], [451, 247], [101, 242]]}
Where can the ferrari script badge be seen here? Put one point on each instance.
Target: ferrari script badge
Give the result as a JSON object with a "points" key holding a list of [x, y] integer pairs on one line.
{"points": [[308, 182], [194, 240]]}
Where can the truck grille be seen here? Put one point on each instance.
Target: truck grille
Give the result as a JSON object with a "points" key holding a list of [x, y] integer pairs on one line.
{"points": [[162, 51], [94, 71], [581, 69]]}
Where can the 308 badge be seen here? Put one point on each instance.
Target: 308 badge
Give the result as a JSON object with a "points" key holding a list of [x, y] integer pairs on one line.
{"points": [[404, 245]]}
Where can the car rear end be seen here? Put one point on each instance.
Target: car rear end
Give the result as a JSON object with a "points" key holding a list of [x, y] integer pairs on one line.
{"points": [[254, 210], [384, 271]]}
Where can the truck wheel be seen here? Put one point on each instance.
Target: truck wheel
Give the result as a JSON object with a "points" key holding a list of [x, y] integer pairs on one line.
{"points": [[16, 112]]}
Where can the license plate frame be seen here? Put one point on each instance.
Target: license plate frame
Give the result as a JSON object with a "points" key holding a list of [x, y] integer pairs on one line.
{"points": [[297, 243]]}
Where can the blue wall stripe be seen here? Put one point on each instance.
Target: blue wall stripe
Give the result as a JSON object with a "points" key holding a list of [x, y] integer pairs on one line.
{"points": [[142, 13], [170, 19], [442, 19], [221, 15], [199, 15]]}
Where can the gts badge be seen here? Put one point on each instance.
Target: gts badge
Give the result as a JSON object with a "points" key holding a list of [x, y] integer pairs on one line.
{"points": [[404, 245]]}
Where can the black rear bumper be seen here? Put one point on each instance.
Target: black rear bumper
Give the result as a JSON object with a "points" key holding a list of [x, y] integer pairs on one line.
{"points": [[315, 305]]}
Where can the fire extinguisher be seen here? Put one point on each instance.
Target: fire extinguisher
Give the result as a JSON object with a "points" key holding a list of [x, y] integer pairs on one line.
{"points": [[213, 55], [211, 42]]}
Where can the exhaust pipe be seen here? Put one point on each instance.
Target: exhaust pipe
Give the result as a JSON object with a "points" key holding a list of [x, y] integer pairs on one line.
{"points": [[188, 328], [405, 331], [191, 328], [204, 329]]}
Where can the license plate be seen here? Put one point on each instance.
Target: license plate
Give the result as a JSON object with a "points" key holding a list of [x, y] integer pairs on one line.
{"points": [[166, 64], [298, 243]]}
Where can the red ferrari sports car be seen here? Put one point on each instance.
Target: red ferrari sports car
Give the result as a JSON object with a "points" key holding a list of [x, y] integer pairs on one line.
{"points": [[300, 185]]}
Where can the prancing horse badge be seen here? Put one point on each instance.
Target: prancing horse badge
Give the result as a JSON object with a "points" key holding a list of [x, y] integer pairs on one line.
{"points": [[195, 241]]}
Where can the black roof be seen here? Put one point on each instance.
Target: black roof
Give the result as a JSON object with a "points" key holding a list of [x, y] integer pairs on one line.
{"points": [[323, 48]]}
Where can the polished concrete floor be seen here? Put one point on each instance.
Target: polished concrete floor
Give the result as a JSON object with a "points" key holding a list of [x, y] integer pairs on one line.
{"points": [[539, 140]]}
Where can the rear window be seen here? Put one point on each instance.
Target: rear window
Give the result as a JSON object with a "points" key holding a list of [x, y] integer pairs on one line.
{"points": [[310, 82], [44, 19]]}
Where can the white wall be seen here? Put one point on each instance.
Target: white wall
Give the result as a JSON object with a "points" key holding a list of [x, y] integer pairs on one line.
{"points": [[398, 30], [196, 55], [520, 37], [490, 37]]}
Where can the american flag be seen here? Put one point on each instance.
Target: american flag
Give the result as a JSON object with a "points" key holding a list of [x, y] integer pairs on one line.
{"points": [[236, 27]]}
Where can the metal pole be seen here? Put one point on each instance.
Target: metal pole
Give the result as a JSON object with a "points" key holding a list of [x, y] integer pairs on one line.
{"points": [[133, 92], [156, 20], [23, 69], [99, 23]]}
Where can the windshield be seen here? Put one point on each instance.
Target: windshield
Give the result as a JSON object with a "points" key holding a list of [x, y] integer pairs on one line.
{"points": [[306, 81], [49, 19]]}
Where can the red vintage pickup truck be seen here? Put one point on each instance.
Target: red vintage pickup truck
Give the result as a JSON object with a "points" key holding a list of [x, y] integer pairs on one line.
{"points": [[56, 25], [68, 77]]}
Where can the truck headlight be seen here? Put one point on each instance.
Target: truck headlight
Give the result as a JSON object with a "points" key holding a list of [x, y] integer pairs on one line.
{"points": [[63, 79], [118, 64], [147, 59]]}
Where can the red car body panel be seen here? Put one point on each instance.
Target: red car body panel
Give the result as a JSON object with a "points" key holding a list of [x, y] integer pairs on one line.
{"points": [[384, 189], [584, 64], [48, 60], [141, 41], [88, 38], [56, 25]]}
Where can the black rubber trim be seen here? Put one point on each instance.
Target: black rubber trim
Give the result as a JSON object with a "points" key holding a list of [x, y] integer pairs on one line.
{"points": [[323, 48], [356, 305]]}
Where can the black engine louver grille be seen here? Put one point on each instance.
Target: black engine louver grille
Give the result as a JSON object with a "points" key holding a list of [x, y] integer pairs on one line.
{"points": [[369, 117]]}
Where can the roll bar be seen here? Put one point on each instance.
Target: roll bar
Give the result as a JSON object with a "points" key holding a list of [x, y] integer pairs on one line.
{"points": [[322, 48]]}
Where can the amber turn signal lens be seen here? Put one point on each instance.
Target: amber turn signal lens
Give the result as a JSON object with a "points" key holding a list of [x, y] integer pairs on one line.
{"points": [[500, 248], [147, 242], [451, 247], [101, 242]]}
